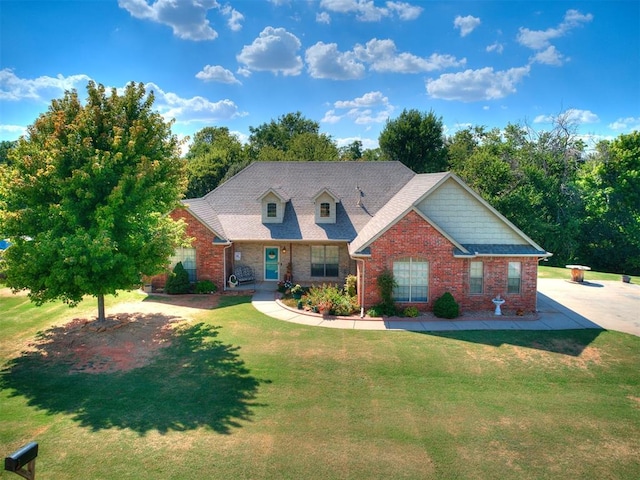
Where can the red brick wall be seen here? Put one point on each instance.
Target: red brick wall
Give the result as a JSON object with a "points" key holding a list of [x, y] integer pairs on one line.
{"points": [[412, 236], [209, 256]]}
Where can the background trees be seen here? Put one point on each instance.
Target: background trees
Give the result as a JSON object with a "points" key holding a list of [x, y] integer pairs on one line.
{"points": [[609, 185], [86, 197], [415, 139], [213, 152]]}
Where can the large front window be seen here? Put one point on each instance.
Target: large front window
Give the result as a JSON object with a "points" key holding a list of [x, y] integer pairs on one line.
{"points": [[324, 261], [412, 279], [188, 258]]}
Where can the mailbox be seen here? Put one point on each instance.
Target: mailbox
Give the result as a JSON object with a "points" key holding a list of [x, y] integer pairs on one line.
{"points": [[21, 457]]}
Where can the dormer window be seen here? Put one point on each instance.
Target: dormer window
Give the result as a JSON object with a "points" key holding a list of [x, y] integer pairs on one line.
{"points": [[273, 206], [325, 210], [272, 210], [326, 206]]}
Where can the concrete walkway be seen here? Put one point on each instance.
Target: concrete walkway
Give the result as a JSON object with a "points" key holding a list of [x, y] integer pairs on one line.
{"points": [[562, 305]]}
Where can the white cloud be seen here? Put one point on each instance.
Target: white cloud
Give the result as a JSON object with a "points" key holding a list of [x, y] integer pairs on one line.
{"points": [[372, 107], [325, 61], [404, 10], [495, 47], [572, 115], [366, 11], [323, 17], [539, 39], [476, 85], [275, 50], [234, 18], [188, 20], [211, 73], [367, 100], [466, 24], [43, 88], [549, 56], [192, 110], [382, 56], [12, 131], [628, 123]]}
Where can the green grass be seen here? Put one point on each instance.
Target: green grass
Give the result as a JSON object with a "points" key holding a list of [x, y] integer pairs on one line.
{"points": [[243, 396]]}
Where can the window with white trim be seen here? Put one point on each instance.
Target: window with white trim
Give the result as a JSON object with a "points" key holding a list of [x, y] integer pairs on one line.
{"points": [[514, 277], [412, 279], [325, 261], [272, 210], [325, 209], [476, 277], [188, 258]]}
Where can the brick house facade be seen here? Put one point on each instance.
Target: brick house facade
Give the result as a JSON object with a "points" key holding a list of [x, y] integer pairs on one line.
{"points": [[321, 221]]}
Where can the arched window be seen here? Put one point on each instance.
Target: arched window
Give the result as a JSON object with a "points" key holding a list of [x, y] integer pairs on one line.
{"points": [[412, 278]]}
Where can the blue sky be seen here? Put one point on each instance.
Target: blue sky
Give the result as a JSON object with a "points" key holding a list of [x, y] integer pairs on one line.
{"points": [[348, 64]]}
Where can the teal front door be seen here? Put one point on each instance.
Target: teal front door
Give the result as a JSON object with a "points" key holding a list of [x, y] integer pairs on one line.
{"points": [[271, 263]]}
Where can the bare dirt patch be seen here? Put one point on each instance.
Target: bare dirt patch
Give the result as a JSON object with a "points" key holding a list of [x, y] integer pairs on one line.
{"points": [[131, 336]]}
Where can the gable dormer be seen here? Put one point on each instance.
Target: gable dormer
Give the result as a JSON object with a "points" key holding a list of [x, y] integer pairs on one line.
{"points": [[273, 205], [325, 206]]}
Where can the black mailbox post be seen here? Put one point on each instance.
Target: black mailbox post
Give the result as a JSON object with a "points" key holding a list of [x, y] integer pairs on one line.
{"points": [[25, 456]]}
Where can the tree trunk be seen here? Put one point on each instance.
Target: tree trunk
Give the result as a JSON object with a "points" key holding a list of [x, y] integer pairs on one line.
{"points": [[101, 316]]}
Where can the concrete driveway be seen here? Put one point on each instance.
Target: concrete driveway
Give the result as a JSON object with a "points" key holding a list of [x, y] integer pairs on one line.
{"points": [[609, 304]]}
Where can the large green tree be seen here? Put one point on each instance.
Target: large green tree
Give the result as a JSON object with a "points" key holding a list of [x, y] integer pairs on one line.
{"points": [[415, 139], [213, 152], [610, 188], [291, 137], [87, 196]]}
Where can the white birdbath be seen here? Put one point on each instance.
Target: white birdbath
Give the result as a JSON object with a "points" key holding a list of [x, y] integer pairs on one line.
{"points": [[498, 302]]}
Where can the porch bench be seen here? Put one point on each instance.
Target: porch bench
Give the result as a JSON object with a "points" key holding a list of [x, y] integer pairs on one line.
{"points": [[244, 274]]}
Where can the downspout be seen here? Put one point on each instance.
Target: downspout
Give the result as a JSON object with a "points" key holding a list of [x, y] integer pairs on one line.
{"points": [[224, 267], [362, 288]]}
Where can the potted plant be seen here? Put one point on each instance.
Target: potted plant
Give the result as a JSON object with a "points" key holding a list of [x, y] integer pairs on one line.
{"points": [[296, 291], [325, 306]]}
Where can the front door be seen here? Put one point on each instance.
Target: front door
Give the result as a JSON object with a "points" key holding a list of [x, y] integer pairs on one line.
{"points": [[271, 263]]}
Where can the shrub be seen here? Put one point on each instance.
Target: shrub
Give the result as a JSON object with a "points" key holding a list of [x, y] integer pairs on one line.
{"points": [[206, 286], [178, 281], [332, 298], [350, 285], [374, 312], [386, 284], [446, 307], [411, 312]]}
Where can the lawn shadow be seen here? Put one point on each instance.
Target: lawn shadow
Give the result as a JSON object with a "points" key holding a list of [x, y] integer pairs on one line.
{"points": [[565, 342], [195, 381]]}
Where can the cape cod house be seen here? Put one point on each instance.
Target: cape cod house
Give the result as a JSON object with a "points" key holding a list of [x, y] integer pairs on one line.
{"points": [[317, 222]]}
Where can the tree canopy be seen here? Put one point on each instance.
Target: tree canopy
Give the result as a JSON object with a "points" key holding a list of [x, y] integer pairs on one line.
{"points": [[87, 194], [415, 139], [213, 152]]}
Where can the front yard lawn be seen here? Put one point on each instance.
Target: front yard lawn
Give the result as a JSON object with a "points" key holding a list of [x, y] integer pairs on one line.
{"points": [[233, 394]]}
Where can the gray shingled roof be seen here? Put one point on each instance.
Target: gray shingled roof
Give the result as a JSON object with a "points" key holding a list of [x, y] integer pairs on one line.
{"points": [[372, 197], [233, 210]]}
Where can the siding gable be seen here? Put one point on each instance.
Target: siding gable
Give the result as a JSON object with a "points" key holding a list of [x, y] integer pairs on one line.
{"points": [[466, 219]]}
